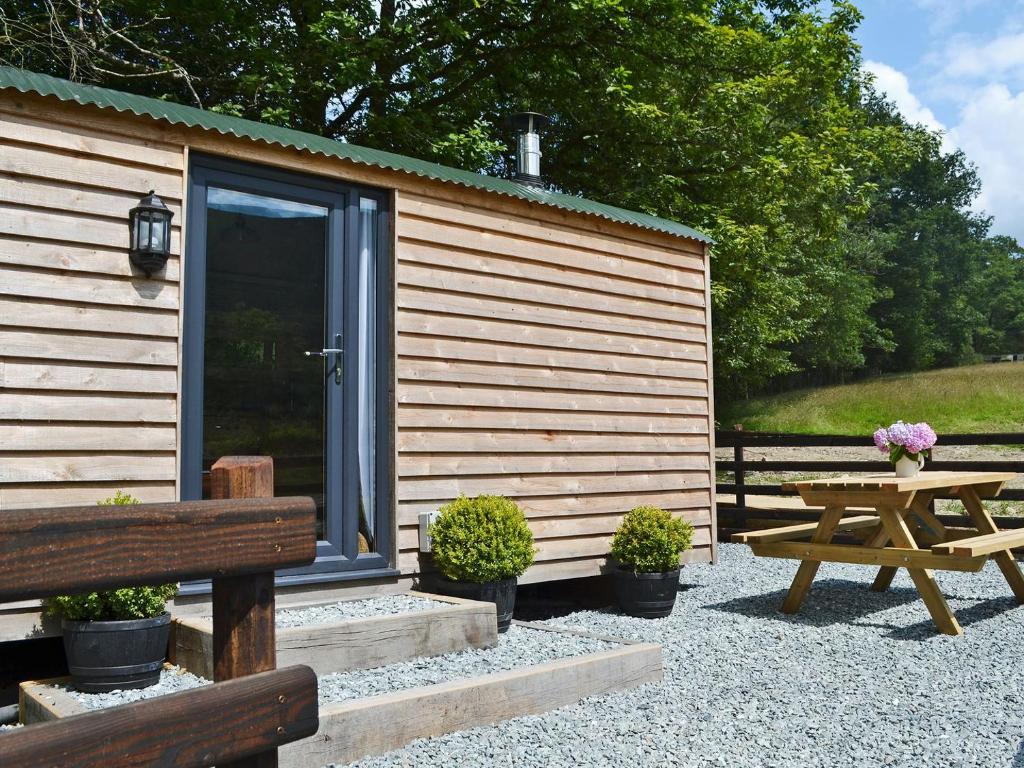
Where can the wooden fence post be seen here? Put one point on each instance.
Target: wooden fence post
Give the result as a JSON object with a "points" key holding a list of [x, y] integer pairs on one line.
{"points": [[741, 494], [242, 477], [244, 640]]}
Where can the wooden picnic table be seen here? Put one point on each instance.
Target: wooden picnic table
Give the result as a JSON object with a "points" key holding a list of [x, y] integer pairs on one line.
{"points": [[901, 522]]}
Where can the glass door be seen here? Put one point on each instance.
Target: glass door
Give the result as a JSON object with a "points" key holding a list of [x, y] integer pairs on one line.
{"points": [[267, 274], [282, 344]]}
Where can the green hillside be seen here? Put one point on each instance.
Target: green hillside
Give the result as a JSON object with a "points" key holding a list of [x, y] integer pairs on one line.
{"points": [[976, 398]]}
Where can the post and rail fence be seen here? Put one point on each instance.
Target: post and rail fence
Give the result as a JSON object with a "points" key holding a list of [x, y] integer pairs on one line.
{"points": [[238, 540], [740, 516]]}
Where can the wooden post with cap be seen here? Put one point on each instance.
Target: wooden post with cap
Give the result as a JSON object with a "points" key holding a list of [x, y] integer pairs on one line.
{"points": [[244, 640]]}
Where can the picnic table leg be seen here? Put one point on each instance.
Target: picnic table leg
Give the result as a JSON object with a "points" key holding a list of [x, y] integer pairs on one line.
{"points": [[923, 578], [881, 537], [808, 568], [922, 510], [886, 573], [883, 579], [985, 524]]}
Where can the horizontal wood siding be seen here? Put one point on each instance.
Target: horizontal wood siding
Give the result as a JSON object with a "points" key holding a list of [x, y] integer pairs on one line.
{"points": [[558, 365], [88, 348], [559, 358]]}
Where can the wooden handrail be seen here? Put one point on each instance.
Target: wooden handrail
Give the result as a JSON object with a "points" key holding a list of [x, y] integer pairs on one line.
{"points": [[68, 549], [204, 726], [238, 542]]}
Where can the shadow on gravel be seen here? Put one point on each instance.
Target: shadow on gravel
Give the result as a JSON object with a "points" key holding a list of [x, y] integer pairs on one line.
{"points": [[840, 601], [555, 600], [1018, 759], [830, 602], [974, 614]]}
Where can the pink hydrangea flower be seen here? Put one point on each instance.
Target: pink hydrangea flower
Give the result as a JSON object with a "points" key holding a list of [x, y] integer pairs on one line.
{"points": [[881, 438], [913, 438], [921, 438], [899, 433]]}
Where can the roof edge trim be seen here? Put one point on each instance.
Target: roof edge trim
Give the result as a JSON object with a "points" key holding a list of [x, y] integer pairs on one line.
{"points": [[27, 82]]}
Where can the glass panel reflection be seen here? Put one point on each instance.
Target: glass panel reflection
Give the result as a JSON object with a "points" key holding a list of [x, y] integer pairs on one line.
{"points": [[265, 280], [367, 382]]}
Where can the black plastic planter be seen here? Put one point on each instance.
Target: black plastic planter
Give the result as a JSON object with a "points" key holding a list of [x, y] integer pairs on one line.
{"points": [[111, 655], [646, 595], [501, 593]]}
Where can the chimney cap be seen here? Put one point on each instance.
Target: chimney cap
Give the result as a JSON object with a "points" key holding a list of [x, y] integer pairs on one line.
{"points": [[528, 121]]}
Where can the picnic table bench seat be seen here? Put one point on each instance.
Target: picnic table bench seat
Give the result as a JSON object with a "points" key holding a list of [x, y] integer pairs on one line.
{"points": [[801, 530], [984, 544]]}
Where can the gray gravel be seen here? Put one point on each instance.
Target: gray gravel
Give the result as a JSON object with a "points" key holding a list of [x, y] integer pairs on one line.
{"points": [[172, 680], [856, 679], [354, 609], [520, 646]]}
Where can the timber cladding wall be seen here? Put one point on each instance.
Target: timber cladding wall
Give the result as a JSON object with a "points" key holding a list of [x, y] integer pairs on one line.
{"points": [[553, 357], [88, 352], [552, 363]]}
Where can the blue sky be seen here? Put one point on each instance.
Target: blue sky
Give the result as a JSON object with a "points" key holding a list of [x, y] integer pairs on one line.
{"points": [[958, 66]]}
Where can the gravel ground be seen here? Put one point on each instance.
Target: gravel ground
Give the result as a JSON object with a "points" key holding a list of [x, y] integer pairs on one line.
{"points": [[172, 680], [519, 647], [354, 609], [856, 679]]}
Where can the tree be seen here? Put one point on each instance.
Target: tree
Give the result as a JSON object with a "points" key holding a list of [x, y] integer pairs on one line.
{"points": [[844, 236], [939, 262], [1001, 289]]}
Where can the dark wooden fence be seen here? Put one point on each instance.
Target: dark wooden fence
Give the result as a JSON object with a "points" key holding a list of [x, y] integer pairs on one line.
{"points": [[237, 723], [738, 516]]}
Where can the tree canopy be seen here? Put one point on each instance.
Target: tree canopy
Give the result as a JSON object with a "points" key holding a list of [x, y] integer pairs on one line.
{"points": [[845, 238]]}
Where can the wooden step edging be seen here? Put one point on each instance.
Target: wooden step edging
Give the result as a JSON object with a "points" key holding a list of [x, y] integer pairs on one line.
{"points": [[40, 701], [370, 726], [360, 728], [362, 643]]}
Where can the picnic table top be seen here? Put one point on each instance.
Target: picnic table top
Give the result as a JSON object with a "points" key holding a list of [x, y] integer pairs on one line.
{"points": [[887, 481]]}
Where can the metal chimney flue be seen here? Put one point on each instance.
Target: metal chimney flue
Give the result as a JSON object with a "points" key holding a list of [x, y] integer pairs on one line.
{"points": [[527, 126]]}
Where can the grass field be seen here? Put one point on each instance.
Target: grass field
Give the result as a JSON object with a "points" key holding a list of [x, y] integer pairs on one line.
{"points": [[976, 398]]}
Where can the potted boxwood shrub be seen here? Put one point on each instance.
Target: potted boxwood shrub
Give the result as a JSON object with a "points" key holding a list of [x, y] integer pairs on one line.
{"points": [[646, 546], [482, 546], [115, 639]]}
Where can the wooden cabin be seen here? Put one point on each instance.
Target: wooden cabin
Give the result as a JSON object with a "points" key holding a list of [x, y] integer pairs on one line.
{"points": [[497, 337]]}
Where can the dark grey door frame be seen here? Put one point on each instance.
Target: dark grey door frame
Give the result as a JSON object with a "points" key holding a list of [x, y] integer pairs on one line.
{"points": [[338, 556]]}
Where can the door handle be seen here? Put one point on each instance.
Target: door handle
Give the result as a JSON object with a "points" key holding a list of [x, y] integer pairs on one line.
{"points": [[338, 351]]}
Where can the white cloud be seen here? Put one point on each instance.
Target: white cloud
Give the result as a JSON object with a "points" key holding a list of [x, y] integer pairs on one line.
{"points": [[945, 14], [999, 56], [895, 85], [973, 74], [989, 131]]}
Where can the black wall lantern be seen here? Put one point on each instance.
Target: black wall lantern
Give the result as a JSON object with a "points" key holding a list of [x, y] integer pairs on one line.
{"points": [[150, 223]]}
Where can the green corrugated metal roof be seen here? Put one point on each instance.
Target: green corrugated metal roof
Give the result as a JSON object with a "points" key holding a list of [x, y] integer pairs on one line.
{"points": [[178, 114]]}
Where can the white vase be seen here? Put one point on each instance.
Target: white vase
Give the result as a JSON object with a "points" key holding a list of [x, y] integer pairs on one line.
{"points": [[908, 467]]}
